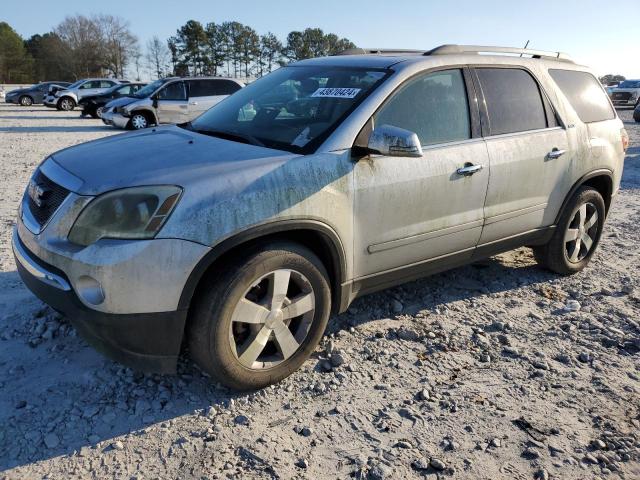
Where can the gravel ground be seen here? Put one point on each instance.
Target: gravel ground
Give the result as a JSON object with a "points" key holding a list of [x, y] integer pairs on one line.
{"points": [[495, 370]]}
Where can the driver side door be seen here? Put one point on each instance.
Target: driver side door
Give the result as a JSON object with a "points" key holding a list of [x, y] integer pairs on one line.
{"points": [[411, 211]]}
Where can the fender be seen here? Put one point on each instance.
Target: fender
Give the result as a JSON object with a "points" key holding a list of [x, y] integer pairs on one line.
{"points": [[332, 240], [146, 111], [581, 181]]}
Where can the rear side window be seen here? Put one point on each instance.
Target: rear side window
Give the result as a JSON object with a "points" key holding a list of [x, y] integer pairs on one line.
{"points": [[210, 88], [514, 101], [585, 95], [434, 106]]}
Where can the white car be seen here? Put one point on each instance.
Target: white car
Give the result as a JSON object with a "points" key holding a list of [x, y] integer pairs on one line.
{"points": [[67, 99], [626, 94]]}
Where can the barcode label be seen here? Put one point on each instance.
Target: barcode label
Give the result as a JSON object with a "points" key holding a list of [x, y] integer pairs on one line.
{"points": [[336, 92]]}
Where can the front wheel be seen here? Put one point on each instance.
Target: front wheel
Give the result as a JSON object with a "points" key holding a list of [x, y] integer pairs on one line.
{"points": [[139, 121], [258, 318], [96, 112], [26, 101], [636, 115], [67, 104], [577, 234]]}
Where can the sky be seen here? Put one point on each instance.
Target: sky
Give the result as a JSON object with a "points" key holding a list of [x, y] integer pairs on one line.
{"points": [[595, 33]]}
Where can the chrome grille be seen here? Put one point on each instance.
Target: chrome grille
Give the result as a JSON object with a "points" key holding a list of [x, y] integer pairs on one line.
{"points": [[44, 197]]}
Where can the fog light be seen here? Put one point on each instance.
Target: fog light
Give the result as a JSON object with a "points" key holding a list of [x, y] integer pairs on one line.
{"points": [[90, 290]]}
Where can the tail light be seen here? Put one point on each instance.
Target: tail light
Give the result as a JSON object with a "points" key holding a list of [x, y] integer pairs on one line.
{"points": [[625, 139]]}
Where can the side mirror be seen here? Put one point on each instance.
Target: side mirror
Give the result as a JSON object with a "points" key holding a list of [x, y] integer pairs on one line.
{"points": [[394, 142]]}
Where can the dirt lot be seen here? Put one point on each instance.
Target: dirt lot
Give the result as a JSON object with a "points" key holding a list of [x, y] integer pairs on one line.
{"points": [[495, 370]]}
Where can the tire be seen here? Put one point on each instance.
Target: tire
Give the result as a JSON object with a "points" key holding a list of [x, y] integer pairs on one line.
{"points": [[223, 347], [26, 101], [636, 115], [67, 104], [565, 254], [138, 121], [97, 112]]}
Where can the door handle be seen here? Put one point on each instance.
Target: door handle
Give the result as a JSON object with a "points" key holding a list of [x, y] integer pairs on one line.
{"points": [[555, 153], [468, 169], [193, 103]]}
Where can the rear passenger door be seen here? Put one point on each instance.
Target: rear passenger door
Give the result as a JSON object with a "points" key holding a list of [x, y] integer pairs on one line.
{"points": [[205, 93], [528, 152]]}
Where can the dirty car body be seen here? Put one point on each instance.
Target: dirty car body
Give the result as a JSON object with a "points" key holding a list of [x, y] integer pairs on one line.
{"points": [[459, 190]]}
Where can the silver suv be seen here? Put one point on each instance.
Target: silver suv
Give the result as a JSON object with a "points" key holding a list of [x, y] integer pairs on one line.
{"points": [[67, 99], [169, 100], [322, 181]]}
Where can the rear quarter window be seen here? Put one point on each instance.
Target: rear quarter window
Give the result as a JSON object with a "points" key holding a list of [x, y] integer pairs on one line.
{"points": [[585, 95], [210, 88]]}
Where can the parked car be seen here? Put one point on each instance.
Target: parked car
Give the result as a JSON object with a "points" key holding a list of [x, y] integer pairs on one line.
{"points": [[31, 95], [94, 104], [626, 94], [636, 113], [169, 100], [68, 98], [239, 234]]}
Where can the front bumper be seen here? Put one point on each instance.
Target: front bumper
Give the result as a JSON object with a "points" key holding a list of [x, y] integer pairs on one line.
{"points": [[144, 341], [122, 296], [625, 103], [115, 119], [11, 99], [51, 102]]}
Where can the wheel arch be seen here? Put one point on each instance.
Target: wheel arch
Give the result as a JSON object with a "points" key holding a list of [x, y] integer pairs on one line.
{"points": [[26, 95], [315, 235], [151, 116], [601, 180]]}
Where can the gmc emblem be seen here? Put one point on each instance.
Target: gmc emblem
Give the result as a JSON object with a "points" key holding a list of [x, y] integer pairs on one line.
{"points": [[36, 193]]}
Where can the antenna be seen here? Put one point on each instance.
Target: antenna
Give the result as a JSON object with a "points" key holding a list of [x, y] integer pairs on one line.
{"points": [[526, 45]]}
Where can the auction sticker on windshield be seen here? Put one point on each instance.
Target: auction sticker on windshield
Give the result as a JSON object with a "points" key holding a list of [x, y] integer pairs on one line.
{"points": [[336, 92]]}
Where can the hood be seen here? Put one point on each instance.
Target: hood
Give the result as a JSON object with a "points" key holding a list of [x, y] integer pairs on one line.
{"points": [[121, 102], [165, 155]]}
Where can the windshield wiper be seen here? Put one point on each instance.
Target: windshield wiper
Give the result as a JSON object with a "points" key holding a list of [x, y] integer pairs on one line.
{"points": [[235, 136]]}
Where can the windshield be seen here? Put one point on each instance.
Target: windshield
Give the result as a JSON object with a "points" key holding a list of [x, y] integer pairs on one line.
{"points": [[149, 89], [75, 84], [293, 108], [629, 84]]}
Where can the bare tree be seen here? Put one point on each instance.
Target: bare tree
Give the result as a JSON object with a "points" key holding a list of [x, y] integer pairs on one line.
{"points": [[120, 45], [84, 45], [157, 57]]}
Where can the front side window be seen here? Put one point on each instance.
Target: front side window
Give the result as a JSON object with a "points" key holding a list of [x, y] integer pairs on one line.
{"points": [[584, 94], [513, 99], [294, 108], [173, 91], [106, 84], [434, 106], [126, 90], [86, 86], [146, 91]]}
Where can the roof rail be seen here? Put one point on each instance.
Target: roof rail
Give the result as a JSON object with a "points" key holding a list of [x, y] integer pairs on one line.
{"points": [[379, 51], [453, 49]]}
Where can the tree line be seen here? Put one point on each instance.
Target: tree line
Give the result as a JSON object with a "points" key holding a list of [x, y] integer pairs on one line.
{"points": [[104, 45]]}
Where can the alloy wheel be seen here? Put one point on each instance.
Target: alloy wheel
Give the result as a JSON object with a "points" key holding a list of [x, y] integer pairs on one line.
{"points": [[99, 111], [581, 233], [26, 101], [66, 104], [139, 122], [272, 319]]}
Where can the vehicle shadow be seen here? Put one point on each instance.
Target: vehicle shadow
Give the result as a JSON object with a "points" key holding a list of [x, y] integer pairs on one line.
{"points": [[72, 397], [57, 129]]}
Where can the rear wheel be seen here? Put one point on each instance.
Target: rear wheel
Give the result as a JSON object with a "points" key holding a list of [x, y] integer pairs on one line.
{"points": [[259, 318], [67, 104], [636, 114], [26, 101], [97, 112], [139, 121], [577, 234]]}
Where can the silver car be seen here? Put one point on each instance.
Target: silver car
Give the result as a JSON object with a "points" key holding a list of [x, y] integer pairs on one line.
{"points": [[67, 99], [169, 100], [243, 230]]}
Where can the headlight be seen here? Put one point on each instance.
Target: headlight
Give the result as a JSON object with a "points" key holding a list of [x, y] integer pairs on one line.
{"points": [[130, 213]]}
